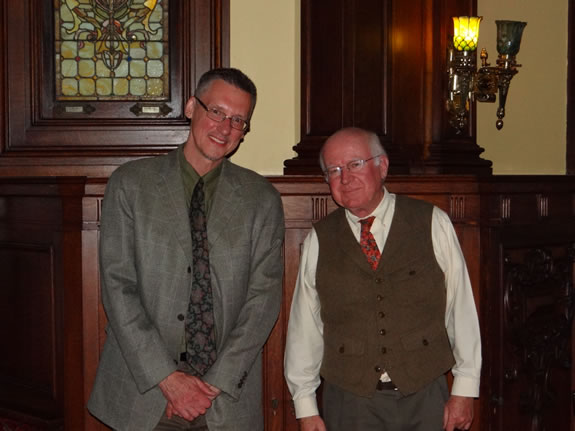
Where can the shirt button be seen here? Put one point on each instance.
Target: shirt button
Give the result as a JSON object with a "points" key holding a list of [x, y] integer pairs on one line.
{"points": [[181, 317], [377, 369], [382, 331]]}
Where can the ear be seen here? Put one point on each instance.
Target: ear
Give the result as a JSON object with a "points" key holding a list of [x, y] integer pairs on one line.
{"points": [[383, 166], [190, 106]]}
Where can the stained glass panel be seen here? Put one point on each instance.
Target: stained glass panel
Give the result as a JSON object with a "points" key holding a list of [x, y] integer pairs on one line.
{"points": [[111, 50]]}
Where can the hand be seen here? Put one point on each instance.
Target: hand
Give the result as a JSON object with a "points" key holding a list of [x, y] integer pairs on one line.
{"points": [[311, 423], [188, 396], [458, 413]]}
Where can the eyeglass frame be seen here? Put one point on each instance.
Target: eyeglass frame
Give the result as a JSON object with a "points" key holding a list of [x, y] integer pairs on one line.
{"points": [[225, 117], [339, 169]]}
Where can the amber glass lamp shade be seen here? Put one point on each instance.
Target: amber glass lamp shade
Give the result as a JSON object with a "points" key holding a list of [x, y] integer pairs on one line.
{"points": [[466, 32], [509, 36]]}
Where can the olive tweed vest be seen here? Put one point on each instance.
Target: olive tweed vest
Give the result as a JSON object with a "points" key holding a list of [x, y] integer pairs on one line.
{"points": [[391, 319]]}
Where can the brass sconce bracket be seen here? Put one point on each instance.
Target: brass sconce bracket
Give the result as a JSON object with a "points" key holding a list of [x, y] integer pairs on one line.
{"points": [[492, 80], [466, 83]]}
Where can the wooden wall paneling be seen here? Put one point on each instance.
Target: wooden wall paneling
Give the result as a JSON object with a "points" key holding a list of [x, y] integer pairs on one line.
{"points": [[40, 138], [570, 153], [94, 317], [40, 223], [497, 219]]}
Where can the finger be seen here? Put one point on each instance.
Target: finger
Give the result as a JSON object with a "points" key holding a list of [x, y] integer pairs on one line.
{"points": [[169, 410]]}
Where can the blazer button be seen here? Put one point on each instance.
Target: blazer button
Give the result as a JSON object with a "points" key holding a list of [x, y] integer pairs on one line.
{"points": [[189, 269], [181, 317]]}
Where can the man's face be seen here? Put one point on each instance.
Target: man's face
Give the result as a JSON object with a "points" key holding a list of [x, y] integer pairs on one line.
{"points": [[210, 141], [359, 191]]}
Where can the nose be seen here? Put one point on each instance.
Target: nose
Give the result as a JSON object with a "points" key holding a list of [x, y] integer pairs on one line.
{"points": [[225, 126], [344, 176]]}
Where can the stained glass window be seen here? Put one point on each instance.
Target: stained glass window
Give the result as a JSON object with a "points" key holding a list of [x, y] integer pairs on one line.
{"points": [[111, 50]]}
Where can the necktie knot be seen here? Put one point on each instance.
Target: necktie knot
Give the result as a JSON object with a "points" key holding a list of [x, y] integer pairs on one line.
{"points": [[366, 223]]}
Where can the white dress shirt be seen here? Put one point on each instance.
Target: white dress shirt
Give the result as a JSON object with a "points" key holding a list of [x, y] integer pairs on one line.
{"points": [[304, 346]]}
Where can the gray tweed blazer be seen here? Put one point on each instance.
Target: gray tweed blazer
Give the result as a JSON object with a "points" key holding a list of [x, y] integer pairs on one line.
{"points": [[145, 256]]}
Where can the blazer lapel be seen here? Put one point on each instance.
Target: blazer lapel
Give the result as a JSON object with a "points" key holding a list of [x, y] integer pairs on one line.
{"points": [[223, 204]]}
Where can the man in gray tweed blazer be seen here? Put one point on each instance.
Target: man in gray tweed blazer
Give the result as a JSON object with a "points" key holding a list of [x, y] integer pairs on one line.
{"points": [[144, 380]]}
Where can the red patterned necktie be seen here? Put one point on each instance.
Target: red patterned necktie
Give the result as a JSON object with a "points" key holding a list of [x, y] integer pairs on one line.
{"points": [[368, 244]]}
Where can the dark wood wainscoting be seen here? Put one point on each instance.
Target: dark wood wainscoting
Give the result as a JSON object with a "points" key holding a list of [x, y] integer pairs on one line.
{"points": [[517, 234]]}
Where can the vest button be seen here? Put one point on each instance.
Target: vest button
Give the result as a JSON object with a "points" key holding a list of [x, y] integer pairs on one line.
{"points": [[381, 314], [378, 280], [384, 350], [341, 349], [382, 331], [379, 297], [377, 369], [425, 342], [181, 317]]}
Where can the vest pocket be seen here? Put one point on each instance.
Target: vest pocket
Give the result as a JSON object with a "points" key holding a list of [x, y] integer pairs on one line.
{"points": [[343, 358], [427, 353]]}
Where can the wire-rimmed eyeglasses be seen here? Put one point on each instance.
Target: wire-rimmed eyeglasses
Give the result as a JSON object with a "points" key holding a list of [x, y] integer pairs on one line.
{"points": [[215, 114], [354, 166]]}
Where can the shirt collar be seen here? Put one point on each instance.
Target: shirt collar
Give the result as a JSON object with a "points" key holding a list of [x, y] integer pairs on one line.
{"points": [[386, 204]]}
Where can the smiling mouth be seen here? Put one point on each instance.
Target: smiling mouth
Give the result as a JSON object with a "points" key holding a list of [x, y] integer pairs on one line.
{"points": [[217, 140]]}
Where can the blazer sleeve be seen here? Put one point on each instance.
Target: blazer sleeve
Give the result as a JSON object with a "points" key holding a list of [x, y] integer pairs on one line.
{"points": [[262, 304], [141, 345]]}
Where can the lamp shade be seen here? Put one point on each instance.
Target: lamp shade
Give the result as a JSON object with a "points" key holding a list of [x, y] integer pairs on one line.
{"points": [[509, 36], [466, 32]]}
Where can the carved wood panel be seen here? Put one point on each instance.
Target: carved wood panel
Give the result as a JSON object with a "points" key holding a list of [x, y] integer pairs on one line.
{"points": [[538, 306]]}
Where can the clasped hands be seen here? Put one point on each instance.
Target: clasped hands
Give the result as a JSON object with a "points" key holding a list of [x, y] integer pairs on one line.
{"points": [[188, 396]]}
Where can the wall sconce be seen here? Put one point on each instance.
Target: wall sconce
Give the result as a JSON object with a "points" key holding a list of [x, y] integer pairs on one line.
{"points": [[465, 82]]}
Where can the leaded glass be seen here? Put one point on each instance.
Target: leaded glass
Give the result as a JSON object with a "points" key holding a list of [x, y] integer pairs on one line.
{"points": [[111, 50]]}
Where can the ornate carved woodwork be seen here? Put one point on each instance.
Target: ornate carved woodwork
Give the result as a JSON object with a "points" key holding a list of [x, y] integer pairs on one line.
{"points": [[381, 66], [527, 258], [538, 305]]}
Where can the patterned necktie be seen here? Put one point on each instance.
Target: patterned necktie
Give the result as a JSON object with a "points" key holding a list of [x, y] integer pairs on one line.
{"points": [[368, 244], [200, 336]]}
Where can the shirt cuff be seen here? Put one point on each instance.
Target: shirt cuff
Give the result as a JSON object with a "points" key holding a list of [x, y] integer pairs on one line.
{"points": [[465, 386], [306, 406]]}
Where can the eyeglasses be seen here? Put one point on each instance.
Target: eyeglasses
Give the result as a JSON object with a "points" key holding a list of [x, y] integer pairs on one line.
{"points": [[215, 114], [353, 166]]}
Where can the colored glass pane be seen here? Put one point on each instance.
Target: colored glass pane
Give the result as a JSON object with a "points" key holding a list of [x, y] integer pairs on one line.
{"points": [[107, 43]]}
